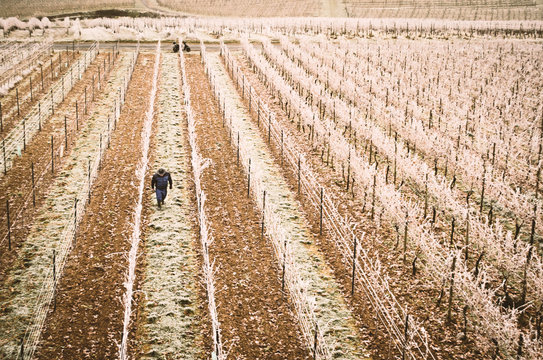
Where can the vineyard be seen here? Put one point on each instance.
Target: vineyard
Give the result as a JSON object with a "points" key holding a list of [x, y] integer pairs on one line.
{"points": [[342, 188]]}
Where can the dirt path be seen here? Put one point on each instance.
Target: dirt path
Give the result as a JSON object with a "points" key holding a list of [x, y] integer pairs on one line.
{"points": [[22, 283], [90, 291], [333, 315], [173, 306], [256, 320]]}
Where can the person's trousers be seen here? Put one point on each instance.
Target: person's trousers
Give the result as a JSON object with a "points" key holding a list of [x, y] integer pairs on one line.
{"points": [[161, 195]]}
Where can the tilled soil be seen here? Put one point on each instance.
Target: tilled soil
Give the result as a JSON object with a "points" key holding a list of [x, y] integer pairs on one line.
{"points": [[26, 102], [255, 316], [16, 185], [173, 311], [88, 319], [380, 243]]}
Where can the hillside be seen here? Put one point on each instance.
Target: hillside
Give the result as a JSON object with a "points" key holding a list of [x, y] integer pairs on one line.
{"points": [[443, 9]]}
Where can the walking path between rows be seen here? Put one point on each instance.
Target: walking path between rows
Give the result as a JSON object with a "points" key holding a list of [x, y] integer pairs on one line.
{"points": [[173, 305]]}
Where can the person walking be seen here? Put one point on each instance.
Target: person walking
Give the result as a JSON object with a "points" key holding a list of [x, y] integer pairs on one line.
{"points": [[160, 181], [175, 47]]}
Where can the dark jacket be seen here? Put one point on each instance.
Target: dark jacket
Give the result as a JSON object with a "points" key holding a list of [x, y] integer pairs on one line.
{"points": [[161, 182], [175, 48]]}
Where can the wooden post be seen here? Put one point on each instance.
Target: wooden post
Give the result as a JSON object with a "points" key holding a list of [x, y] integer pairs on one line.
{"points": [[263, 213], [24, 134], [9, 224], [269, 128], [284, 263], [22, 349], [41, 71], [92, 86], [354, 267], [89, 180], [33, 186], [315, 342], [31, 92], [405, 335], [238, 150], [451, 289], [299, 175], [76, 116], [349, 170], [62, 87], [52, 105], [52, 157], [281, 147], [320, 221], [85, 111], [1, 119]]}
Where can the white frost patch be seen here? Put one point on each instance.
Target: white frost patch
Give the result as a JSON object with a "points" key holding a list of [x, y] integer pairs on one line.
{"points": [[171, 281], [141, 170]]}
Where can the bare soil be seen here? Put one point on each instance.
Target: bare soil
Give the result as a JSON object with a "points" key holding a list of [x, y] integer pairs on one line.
{"points": [[88, 319], [256, 319]]}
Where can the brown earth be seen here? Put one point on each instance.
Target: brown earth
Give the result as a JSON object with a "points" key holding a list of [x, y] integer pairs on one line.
{"points": [[379, 242], [88, 319], [9, 101], [16, 185], [257, 321]]}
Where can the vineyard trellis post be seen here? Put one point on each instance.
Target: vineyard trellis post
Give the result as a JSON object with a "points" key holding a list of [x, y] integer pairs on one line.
{"points": [[39, 116], [52, 157], [320, 219], [263, 213], [65, 132], [354, 266], [1, 119], [299, 174], [4, 155]]}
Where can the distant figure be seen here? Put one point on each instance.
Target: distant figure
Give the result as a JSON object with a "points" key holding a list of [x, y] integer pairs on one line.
{"points": [[175, 47], [161, 180], [186, 48]]}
